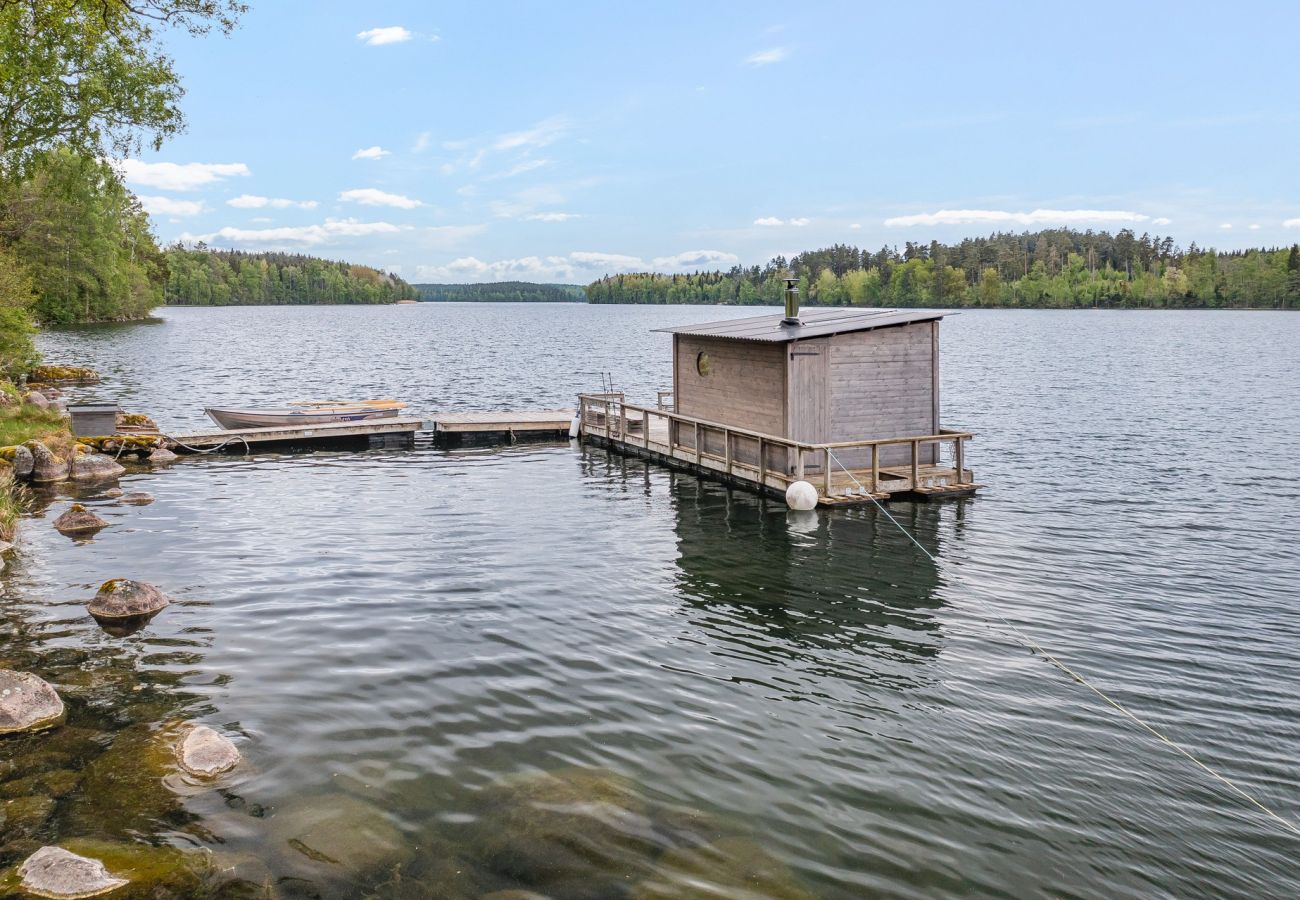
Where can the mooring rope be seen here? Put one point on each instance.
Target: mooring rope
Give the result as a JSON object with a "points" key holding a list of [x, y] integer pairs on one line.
{"points": [[230, 440], [1035, 647]]}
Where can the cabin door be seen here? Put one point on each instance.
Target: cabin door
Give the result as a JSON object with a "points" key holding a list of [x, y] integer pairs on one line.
{"points": [[808, 395]]}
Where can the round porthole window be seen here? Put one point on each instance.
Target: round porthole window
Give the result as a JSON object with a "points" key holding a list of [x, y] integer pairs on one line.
{"points": [[703, 364]]}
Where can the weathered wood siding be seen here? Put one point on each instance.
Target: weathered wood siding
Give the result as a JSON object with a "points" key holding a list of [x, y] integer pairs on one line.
{"points": [[808, 400], [884, 384], [745, 387]]}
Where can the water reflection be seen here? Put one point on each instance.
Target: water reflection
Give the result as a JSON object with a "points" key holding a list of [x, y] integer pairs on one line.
{"points": [[773, 583]]}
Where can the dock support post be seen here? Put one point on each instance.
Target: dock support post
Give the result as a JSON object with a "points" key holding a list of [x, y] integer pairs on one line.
{"points": [[698, 449], [645, 427], [798, 468], [959, 453], [875, 468], [826, 462], [726, 438], [609, 432], [762, 462], [916, 474]]}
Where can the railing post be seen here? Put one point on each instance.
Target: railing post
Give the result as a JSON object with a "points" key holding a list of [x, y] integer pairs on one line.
{"points": [[875, 468], [698, 449], [726, 438], [826, 460], [916, 474], [645, 427], [798, 466], [622, 421], [762, 462], [959, 453]]}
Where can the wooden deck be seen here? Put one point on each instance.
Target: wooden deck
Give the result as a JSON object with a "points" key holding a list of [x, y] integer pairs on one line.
{"points": [[394, 432], [480, 428], [768, 463]]}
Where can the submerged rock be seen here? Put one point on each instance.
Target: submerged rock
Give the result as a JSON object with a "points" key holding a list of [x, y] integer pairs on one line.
{"points": [[122, 598], [79, 520], [27, 703], [162, 456], [339, 831], [138, 498], [556, 830], [22, 817], [112, 493], [58, 783], [732, 867], [58, 873], [46, 466], [94, 467], [205, 753]]}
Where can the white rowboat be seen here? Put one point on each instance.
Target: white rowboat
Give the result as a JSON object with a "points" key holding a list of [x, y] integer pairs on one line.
{"points": [[306, 413]]}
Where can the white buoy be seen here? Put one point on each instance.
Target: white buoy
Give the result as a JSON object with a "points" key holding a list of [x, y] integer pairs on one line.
{"points": [[575, 426], [801, 495]]}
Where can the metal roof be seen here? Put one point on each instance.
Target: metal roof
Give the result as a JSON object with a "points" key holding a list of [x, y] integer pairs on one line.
{"points": [[815, 323]]}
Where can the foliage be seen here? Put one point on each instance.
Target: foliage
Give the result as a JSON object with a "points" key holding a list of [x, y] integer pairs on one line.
{"points": [[503, 292], [84, 239], [91, 75], [205, 277], [17, 351], [21, 422], [1057, 268]]}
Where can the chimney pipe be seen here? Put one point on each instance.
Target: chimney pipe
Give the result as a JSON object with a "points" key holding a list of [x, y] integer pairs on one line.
{"points": [[791, 302]]}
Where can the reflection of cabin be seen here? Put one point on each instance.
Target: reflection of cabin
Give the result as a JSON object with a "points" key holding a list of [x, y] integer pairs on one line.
{"points": [[838, 375]]}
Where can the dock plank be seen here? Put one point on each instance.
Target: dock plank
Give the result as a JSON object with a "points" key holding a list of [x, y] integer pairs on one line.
{"points": [[512, 420], [204, 440]]}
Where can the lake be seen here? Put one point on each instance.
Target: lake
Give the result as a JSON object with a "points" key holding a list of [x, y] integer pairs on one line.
{"points": [[554, 669]]}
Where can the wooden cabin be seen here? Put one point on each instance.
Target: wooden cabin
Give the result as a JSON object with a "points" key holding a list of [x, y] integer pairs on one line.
{"points": [[823, 376]]}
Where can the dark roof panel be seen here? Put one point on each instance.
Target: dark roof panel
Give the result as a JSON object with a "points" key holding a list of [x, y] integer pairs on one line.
{"points": [[815, 323]]}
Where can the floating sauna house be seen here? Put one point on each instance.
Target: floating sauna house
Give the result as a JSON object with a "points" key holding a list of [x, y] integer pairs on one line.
{"points": [[847, 399]]}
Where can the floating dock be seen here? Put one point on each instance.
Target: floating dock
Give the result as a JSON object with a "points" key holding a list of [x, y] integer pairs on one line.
{"points": [[476, 429], [396, 432]]}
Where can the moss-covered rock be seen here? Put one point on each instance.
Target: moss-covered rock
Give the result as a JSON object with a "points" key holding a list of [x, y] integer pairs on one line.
{"points": [[46, 465], [338, 834], [23, 817], [138, 498], [55, 783], [94, 467], [63, 375], [122, 598], [205, 753], [125, 791], [156, 873]]}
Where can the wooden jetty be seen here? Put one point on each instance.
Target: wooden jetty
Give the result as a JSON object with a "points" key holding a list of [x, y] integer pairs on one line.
{"points": [[394, 432], [485, 428], [845, 399]]}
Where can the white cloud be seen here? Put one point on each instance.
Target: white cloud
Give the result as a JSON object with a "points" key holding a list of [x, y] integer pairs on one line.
{"points": [[261, 219], [1291, 223], [305, 235], [774, 222], [168, 206], [542, 134], [697, 259], [856, 226], [1254, 227], [253, 201], [769, 221], [422, 142], [168, 176], [375, 152], [1009, 217], [767, 57], [552, 217], [1226, 226], [519, 168], [392, 34], [1161, 220], [800, 222], [376, 197]]}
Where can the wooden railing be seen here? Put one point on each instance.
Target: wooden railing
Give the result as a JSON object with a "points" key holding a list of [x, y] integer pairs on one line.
{"points": [[769, 459]]}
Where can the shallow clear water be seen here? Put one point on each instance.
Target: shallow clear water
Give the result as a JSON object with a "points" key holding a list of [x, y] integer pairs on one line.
{"points": [[728, 695]]}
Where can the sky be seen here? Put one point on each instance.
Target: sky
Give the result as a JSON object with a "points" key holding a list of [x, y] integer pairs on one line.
{"points": [[561, 142]]}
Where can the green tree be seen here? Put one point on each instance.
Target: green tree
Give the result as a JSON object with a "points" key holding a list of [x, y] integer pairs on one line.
{"points": [[17, 352]]}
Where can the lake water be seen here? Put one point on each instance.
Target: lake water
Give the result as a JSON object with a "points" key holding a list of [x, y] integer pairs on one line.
{"points": [[553, 669]]}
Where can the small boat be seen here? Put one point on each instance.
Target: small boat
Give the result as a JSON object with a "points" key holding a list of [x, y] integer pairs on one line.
{"points": [[314, 412]]}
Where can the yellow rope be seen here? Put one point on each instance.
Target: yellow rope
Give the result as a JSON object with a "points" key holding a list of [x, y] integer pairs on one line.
{"points": [[1124, 710]]}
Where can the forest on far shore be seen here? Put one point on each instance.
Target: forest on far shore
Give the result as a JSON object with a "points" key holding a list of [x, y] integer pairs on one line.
{"points": [[1060, 268]]}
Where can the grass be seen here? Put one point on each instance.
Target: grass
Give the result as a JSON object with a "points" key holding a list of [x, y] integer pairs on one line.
{"points": [[20, 423]]}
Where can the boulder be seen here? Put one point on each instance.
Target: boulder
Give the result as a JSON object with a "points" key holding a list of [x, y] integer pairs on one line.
{"points": [[94, 467], [732, 867], [56, 783], [338, 831], [122, 598], [205, 753], [37, 399], [64, 375], [55, 872], [27, 703], [79, 520], [22, 462], [112, 493], [161, 456], [46, 467], [138, 498]]}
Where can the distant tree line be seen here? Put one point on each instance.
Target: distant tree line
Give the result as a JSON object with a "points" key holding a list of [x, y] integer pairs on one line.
{"points": [[201, 276], [503, 292], [1054, 269]]}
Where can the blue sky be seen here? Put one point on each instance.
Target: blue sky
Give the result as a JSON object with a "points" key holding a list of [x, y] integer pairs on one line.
{"points": [[563, 141]]}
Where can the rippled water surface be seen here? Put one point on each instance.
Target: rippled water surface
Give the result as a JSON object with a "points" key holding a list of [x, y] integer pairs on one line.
{"points": [[548, 668]]}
